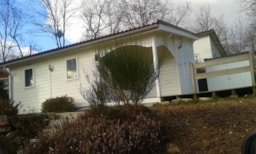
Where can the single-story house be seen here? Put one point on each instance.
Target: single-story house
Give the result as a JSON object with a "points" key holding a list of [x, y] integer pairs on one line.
{"points": [[61, 71]]}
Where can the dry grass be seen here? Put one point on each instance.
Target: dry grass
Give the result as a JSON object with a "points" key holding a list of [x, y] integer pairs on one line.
{"points": [[211, 128]]}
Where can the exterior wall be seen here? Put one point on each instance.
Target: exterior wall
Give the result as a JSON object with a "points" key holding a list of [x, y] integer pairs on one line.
{"points": [[185, 57], [169, 73], [203, 49], [215, 53], [51, 84], [238, 80], [169, 81]]}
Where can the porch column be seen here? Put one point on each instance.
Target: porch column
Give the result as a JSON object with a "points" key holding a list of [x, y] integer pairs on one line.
{"points": [[156, 65]]}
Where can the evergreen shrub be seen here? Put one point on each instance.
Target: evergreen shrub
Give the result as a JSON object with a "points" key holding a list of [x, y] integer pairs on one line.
{"points": [[59, 104]]}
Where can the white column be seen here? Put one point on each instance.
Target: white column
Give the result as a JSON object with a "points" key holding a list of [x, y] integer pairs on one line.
{"points": [[156, 65]]}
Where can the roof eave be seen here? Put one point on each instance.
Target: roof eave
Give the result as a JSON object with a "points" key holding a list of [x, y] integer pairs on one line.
{"points": [[78, 45]]}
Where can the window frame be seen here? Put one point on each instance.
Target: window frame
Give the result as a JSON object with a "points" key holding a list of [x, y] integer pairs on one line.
{"points": [[32, 76], [76, 63]]}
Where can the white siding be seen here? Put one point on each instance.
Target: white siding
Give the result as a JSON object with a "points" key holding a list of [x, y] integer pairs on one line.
{"points": [[215, 52], [185, 57], [203, 49], [32, 98], [238, 80], [169, 81]]}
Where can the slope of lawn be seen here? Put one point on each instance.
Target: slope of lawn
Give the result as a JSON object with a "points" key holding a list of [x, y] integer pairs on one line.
{"points": [[216, 127]]}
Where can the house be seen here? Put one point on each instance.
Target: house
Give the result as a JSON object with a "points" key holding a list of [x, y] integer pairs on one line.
{"points": [[58, 72], [208, 46], [209, 52]]}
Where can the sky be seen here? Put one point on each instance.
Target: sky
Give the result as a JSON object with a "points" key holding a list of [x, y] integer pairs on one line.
{"points": [[229, 9]]}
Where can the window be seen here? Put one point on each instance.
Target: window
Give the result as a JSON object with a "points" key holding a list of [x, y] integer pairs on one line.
{"points": [[29, 81], [71, 68]]}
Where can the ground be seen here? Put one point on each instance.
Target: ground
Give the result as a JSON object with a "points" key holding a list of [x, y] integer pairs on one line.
{"points": [[213, 128]]}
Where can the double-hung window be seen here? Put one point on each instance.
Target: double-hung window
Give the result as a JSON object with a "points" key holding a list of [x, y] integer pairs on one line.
{"points": [[72, 68], [29, 78]]}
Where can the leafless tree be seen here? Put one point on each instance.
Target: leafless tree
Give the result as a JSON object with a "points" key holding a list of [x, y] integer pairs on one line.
{"points": [[139, 12], [204, 19], [250, 38], [58, 15], [249, 6], [101, 16], [237, 37], [109, 16], [177, 14], [93, 17], [11, 20]]}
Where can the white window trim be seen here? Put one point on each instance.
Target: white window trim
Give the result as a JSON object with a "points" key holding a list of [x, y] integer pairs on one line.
{"points": [[33, 77], [77, 67]]}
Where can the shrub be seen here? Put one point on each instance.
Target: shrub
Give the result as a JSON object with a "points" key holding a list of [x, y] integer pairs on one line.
{"points": [[8, 107], [7, 146], [28, 125], [101, 135], [59, 104]]}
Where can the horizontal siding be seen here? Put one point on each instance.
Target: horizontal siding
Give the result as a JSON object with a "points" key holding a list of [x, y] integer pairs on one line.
{"points": [[237, 80], [169, 82], [32, 98], [185, 56]]}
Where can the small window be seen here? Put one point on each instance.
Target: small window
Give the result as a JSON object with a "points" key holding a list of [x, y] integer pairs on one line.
{"points": [[29, 81], [71, 68]]}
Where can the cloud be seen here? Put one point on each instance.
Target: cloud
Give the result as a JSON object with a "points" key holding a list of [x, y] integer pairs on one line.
{"points": [[14, 52]]}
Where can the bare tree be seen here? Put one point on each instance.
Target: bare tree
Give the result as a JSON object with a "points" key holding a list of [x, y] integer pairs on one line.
{"points": [[93, 18], [237, 37], [11, 20], [177, 14], [109, 16], [101, 16], [58, 15], [204, 20], [250, 38], [249, 6], [139, 12]]}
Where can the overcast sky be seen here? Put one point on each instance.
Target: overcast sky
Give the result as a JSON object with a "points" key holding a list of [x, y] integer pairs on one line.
{"points": [[230, 9]]}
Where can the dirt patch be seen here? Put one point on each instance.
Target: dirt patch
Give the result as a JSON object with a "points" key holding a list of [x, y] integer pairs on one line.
{"points": [[211, 128]]}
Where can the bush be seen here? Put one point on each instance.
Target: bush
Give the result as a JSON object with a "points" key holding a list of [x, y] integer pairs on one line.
{"points": [[126, 111], [101, 135], [28, 125], [8, 107], [59, 104], [7, 146]]}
